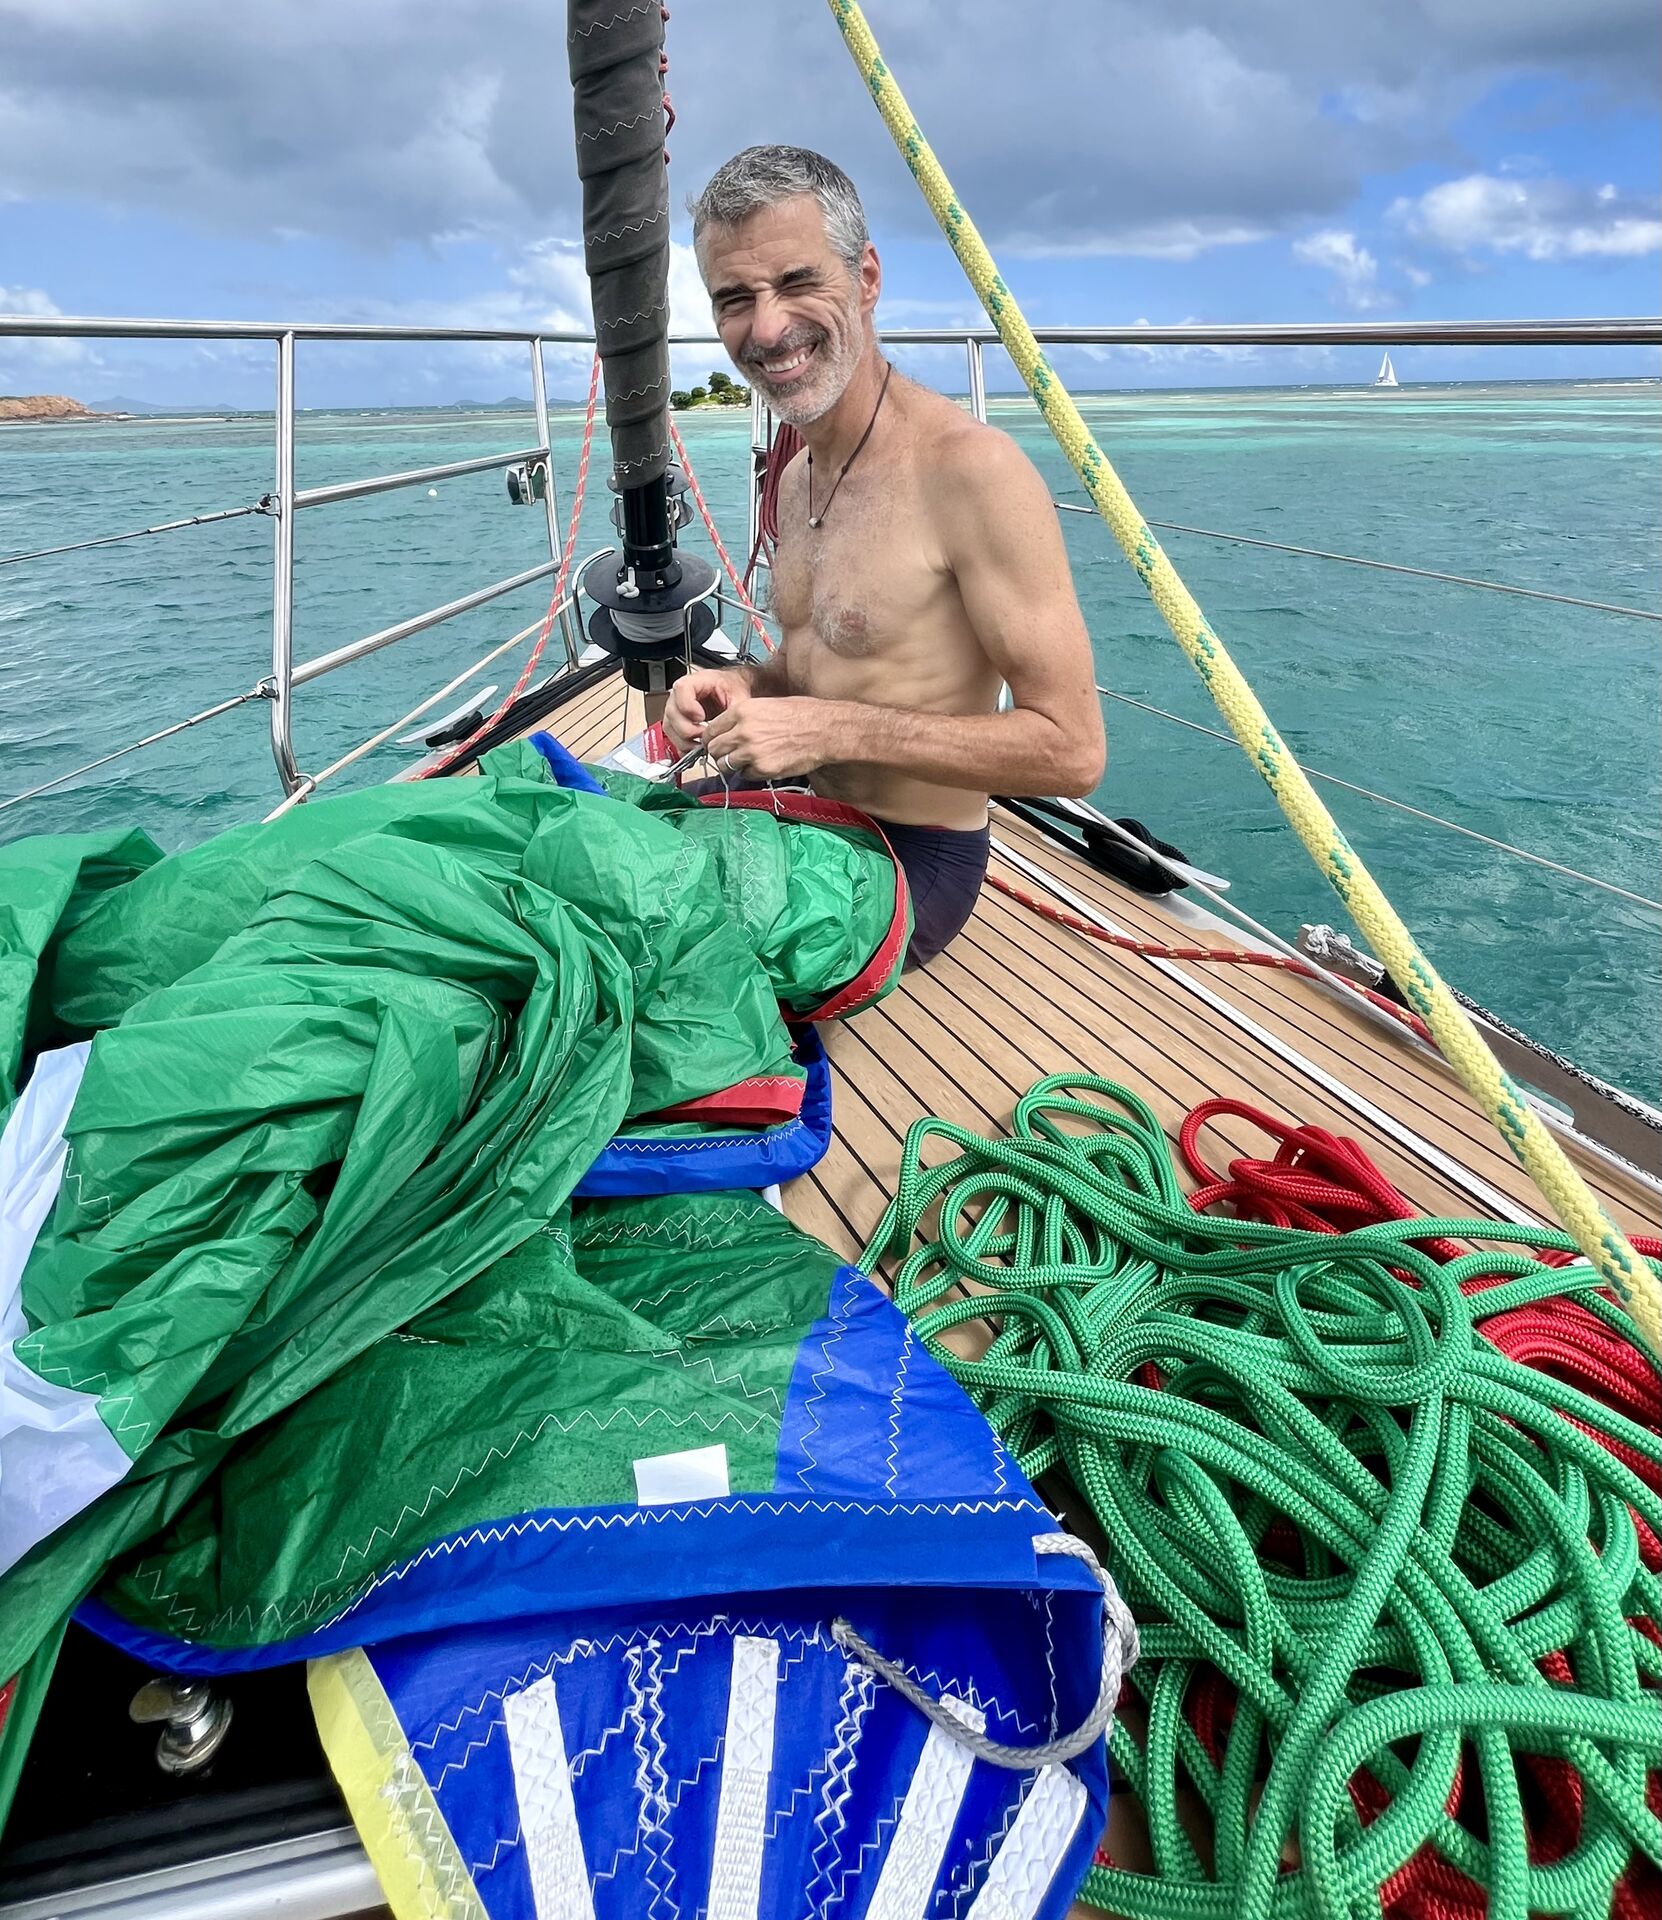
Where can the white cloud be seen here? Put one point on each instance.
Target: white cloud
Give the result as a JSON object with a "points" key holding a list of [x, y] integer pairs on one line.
{"points": [[1167, 353], [1163, 133], [25, 362], [1542, 219], [1355, 270], [1184, 239]]}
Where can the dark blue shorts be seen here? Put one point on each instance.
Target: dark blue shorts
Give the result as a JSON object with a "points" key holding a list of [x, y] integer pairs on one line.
{"points": [[944, 868]]}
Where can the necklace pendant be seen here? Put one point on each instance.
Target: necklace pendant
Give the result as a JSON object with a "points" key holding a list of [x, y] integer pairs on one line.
{"points": [[813, 521]]}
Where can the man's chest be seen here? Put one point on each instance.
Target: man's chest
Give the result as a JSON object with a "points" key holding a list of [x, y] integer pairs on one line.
{"points": [[864, 580]]}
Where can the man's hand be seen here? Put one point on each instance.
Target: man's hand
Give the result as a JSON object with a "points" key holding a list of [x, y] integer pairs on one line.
{"points": [[772, 739], [700, 697]]}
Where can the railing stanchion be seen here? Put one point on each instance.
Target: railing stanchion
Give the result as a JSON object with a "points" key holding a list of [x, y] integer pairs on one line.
{"points": [[551, 498], [282, 575], [977, 381]]}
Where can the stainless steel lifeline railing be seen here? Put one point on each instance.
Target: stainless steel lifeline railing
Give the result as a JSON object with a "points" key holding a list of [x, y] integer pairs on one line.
{"points": [[285, 501]]}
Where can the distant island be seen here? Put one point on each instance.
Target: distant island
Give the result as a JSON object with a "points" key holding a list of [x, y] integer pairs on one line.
{"points": [[44, 406], [721, 391]]}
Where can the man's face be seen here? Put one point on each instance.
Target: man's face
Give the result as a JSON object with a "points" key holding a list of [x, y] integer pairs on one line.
{"points": [[790, 313]]}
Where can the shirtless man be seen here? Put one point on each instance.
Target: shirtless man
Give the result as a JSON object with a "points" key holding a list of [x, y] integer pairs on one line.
{"points": [[919, 563]]}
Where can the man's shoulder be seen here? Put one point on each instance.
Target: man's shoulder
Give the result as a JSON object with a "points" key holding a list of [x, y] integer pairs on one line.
{"points": [[970, 463]]}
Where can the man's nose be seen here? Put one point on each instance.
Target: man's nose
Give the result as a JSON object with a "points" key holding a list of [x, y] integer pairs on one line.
{"points": [[770, 321]]}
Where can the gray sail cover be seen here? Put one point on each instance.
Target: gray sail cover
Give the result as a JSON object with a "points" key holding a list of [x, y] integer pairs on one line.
{"points": [[614, 48]]}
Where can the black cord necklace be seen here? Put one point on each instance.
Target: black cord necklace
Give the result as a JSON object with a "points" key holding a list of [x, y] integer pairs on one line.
{"points": [[817, 520]]}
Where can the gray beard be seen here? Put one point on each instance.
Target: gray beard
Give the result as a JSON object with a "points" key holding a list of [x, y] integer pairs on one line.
{"points": [[802, 410]]}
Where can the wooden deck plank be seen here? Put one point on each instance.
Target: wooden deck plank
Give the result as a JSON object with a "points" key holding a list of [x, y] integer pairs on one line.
{"points": [[1202, 1056], [1018, 996], [1308, 1011], [1300, 1008], [1398, 1076]]}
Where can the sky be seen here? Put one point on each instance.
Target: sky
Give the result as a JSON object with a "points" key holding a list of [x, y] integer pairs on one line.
{"points": [[1200, 160]]}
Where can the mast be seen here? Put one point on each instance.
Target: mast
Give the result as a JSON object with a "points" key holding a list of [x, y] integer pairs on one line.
{"points": [[651, 603]]}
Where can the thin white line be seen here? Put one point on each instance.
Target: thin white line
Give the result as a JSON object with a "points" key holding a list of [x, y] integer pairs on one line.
{"points": [[1470, 1183], [1402, 806]]}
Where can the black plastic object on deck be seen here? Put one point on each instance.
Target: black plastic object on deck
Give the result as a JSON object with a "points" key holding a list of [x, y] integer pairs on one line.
{"points": [[650, 602]]}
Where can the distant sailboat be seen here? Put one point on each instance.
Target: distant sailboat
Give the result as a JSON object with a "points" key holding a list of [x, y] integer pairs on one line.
{"points": [[1387, 374]]}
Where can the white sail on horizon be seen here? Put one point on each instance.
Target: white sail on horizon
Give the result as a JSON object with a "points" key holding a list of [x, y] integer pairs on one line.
{"points": [[1387, 374]]}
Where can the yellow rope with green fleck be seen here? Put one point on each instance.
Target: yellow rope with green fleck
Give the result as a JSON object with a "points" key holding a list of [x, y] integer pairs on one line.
{"points": [[1493, 1089]]}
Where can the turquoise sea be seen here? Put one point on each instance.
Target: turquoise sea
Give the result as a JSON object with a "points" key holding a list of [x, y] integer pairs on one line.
{"points": [[1533, 723]]}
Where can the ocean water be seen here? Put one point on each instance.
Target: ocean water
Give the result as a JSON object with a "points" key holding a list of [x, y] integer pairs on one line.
{"points": [[1532, 723]]}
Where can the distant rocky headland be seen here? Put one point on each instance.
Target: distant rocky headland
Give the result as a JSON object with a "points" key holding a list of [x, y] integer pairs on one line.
{"points": [[45, 406]]}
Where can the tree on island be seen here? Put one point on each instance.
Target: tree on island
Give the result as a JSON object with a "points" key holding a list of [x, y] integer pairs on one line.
{"points": [[723, 391]]}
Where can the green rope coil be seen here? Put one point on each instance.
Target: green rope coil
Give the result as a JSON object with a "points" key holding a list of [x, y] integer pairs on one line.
{"points": [[1465, 1049], [1341, 1511]]}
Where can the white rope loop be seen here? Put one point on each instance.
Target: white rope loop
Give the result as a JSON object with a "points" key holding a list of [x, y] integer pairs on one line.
{"points": [[1119, 1655]]}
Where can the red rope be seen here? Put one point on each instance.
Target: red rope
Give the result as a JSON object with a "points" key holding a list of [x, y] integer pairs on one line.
{"points": [[782, 450], [1228, 956], [455, 753], [705, 515], [1326, 1183]]}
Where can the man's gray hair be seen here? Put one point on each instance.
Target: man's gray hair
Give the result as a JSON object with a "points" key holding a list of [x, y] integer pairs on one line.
{"points": [[764, 176]]}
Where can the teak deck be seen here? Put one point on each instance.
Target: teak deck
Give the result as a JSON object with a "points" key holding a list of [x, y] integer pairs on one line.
{"points": [[1017, 996]]}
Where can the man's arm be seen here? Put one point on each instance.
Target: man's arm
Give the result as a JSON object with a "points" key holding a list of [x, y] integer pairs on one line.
{"points": [[1005, 549]]}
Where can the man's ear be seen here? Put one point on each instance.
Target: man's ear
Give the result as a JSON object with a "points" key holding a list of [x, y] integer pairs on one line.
{"points": [[870, 277]]}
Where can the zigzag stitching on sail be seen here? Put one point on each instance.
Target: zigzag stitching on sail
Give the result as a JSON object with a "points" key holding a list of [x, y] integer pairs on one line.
{"points": [[1001, 1481], [618, 1144], [671, 1232], [499, 1533], [1050, 1654], [685, 1639], [823, 1373], [88, 1385], [828, 1821], [735, 1379], [537, 1670], [673, 1793], [420, 1812], [762, 1329], [702, 1766], [296, 1609], [971, 1695], [505, 1845], [810, 1780], [965, 1885], [894, 1409], [648, 459], [636, 393], [472, 1747], [652, 1761], [104, 1200], [868, 1848]]}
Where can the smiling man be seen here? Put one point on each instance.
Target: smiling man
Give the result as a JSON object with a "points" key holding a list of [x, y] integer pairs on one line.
{"points": [[919, 564]]}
